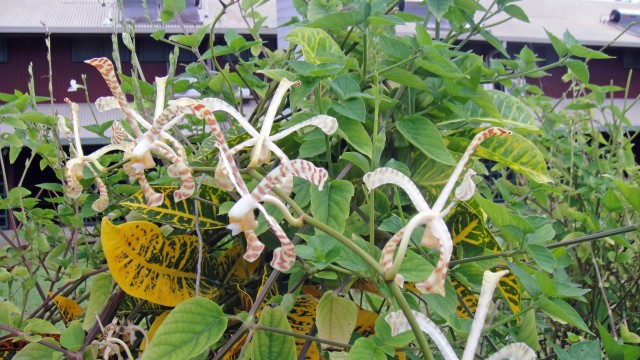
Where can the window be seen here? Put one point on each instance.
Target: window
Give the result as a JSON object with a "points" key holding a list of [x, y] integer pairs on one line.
{"points": [[150, 50], [631, 58], [84, 48], [4, 51]]}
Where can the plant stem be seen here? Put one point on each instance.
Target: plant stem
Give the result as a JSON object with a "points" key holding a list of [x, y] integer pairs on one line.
{"points": [[558, 244], [256, 327]]}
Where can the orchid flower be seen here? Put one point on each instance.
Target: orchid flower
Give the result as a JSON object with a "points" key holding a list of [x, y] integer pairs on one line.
{"points": [[520, 351], [74, 167], [153, 140], [262, 142], [436, 234], [241, 216]]}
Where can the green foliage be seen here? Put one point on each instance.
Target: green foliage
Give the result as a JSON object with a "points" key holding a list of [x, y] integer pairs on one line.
{"points": [[557, 200]]}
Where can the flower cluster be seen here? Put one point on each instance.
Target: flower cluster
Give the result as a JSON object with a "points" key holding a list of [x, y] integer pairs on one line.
{"points": [[436, 234]]}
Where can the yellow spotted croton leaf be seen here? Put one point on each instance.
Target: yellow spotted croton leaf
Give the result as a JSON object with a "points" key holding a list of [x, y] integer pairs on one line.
{"points": [[149, 266], [469, 231], [69, 309], [181, 214]]}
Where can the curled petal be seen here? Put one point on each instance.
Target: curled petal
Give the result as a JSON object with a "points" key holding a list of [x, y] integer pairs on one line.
{"points": [[400, 324], [399, 280], [222, 178], [106, 103], [466, 190], [300, 168], [74, 189], [254, 246], [103, 200], [105, 67], [385, 175], [285, 256], [327, 124], [386, 257], [153, 198], [434, 284]]}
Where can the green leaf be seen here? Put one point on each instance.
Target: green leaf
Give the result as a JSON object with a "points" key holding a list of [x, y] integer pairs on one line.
{"points": [[543, 257], [267, 345], [40, 326], [170, 9], [580, 69], [336, 317], [73, 337], [317, 46], [338, 20], [527, 332], [557, 44], [191, 40], [331, 205], [611, 346], [585, 350], [356, 159], [439, 7], [35, 351], [351, 108], [563, 312], [100, 293], [423, 134], [404, 77], [631, 352], [494, 41], [502, 217], [343, 86], [189, 329], [436, 63], [627, 336], [517, 12], [182, 213], [631, 193], [356, 135], [365, 348], [38, 118], [415, 268]]}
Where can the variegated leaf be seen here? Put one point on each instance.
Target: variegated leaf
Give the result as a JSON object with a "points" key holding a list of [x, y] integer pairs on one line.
{"points": [[150, 267], [469, 230], [182, 214], [69, 309], [514, 151]]}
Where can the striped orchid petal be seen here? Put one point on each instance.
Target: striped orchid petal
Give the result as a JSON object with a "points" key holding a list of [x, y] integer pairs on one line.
{"points": [[385, 175], [477, 140]]}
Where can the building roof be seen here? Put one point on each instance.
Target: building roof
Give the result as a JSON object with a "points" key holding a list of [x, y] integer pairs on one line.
{"points": [[587, 20], [98, 16]]}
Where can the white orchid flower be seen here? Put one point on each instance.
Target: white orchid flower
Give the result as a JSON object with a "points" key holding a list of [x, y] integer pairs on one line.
{"points": [[262, 142], [153, 140], [74, 167], [519, 351], [74, 86], [436, 234], [241, 215]]}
